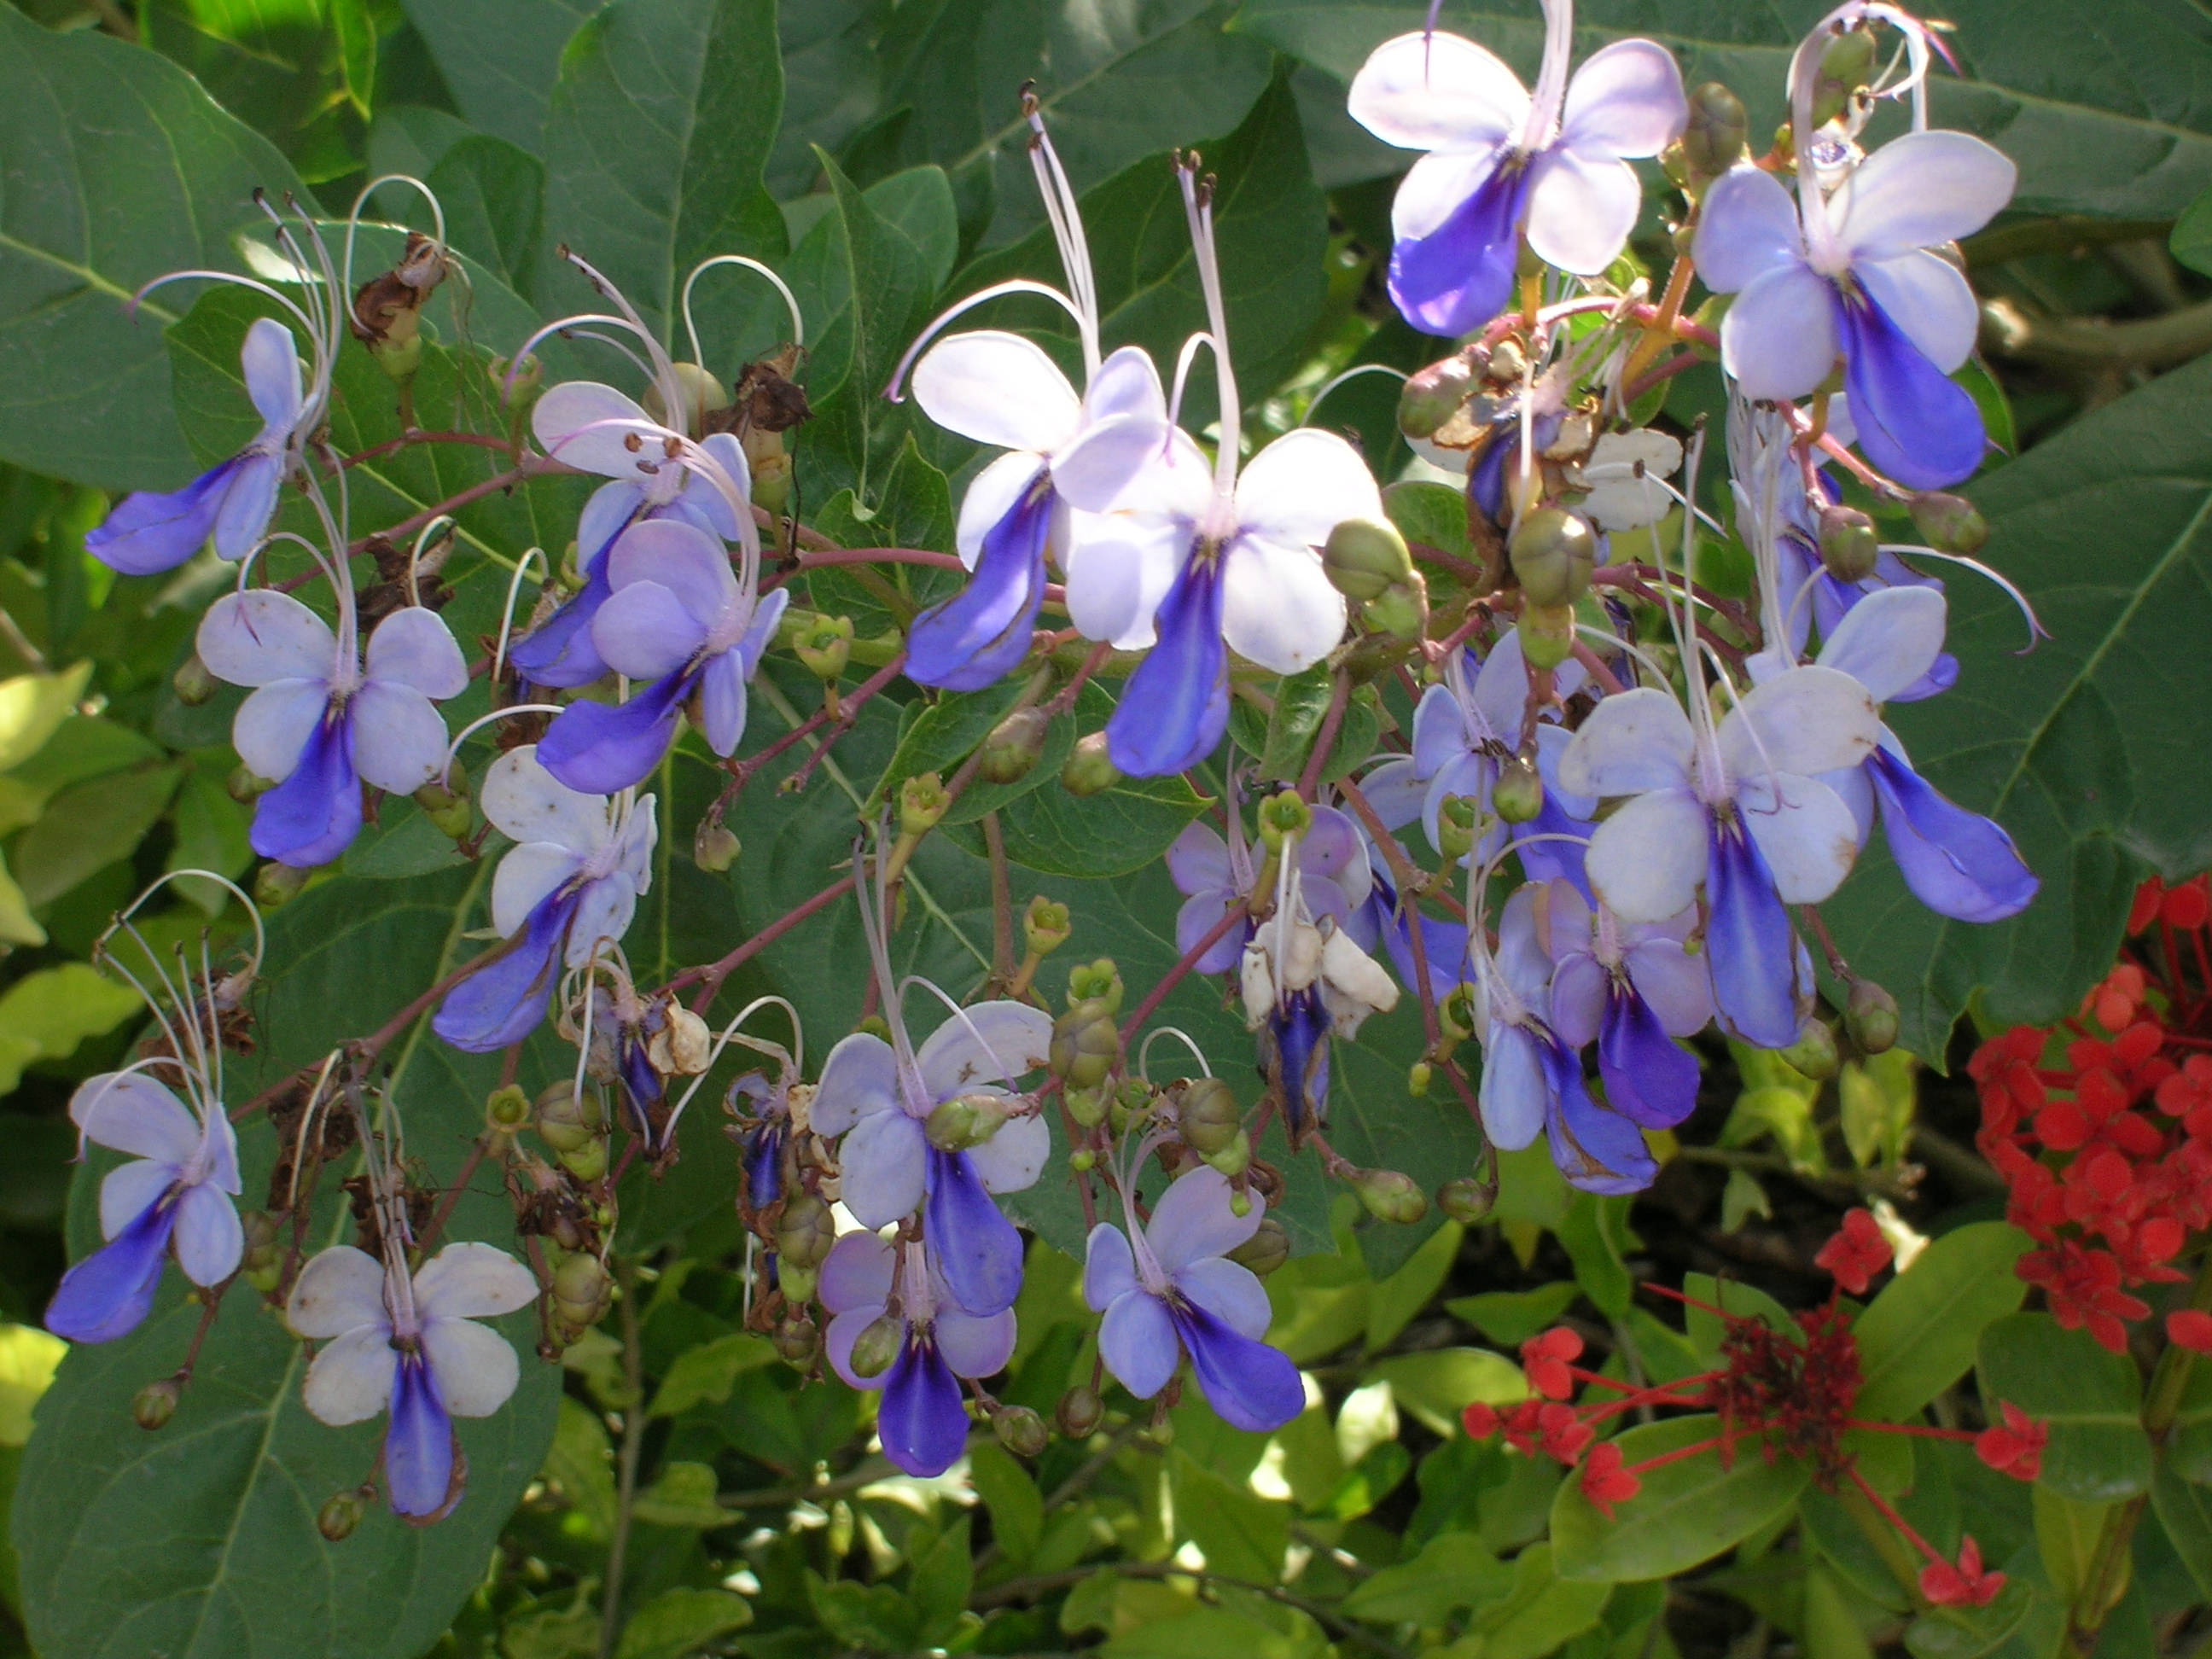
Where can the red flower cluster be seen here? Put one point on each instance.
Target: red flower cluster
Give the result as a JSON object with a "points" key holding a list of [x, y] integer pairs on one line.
{"points": [[1856, 1254], [2109, 1156]]}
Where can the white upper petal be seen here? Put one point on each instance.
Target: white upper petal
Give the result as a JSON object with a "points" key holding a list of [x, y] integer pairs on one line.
{"points": [[527, 803], [1747, 227], [974, 1345], [1197, 859], [131, 1113], [1778, 339], [1278, 606], [884, 1158], [1302, 486], [1808, 719], [584, 424], [859, 1080], [210, 1238], [398, 740], [1230, 1291], [1581, 209], [1094, 469], [1926, 296], [1125, 383], [604, 913], [1626, 99], [475, 1367], [1632, 741], [997, 388], [1192, 1220], [1647, 859], [472, 1281], [1513, 1089], [350, 1379], [858, 1271], [987, 1044], [128, 1189], [525, 876], [1806, 832], [1919, 190], [1012, 1159], [341, 1289], [414, 647], [1437, 92], [1888, 639], [271, 366], [1109, 1268], [992, 493], [260, 636]]}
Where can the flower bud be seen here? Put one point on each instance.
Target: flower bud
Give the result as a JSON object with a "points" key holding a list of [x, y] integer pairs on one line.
{"points": [[582, 1292], [1089, 770], [1079, 1412], [1390, 1195], [1100, 979], [1084, 1044], [1268, 1249], [1433, 395], [506, 1108], [1283, 815], [1713, 141], [797, 1338], [965, 1120], [1082, 1160], [798, 1284], [1045, 926], [1949, 524], [1208, 1118], [1363, 556], [875, 1349], [1553, 552], [261, 1259], [246, 787], [339, 1516], [157, 1403], [1020, 1430], [1846, 65], [1849, 546], [1418, 1077], [1518, 794], [445, 803], [1467, 1199], [923, 802], [1016, 745], [805, 1230], [588, 1162], [1814, 1052], [274, 883], [566, 1120], [714, 849], [194, 682], [1235, 1158], [702, 392], [1086, 1106], [825, 646], [1458, 823], [529, 378], [1401, 610], [1870, 1017], [1548, 634]]}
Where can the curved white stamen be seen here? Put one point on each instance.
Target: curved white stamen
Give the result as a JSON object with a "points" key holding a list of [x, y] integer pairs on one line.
{"points": [[1185, 359], [506, 610], [795, 1063], [945, 318], [965, 1018], [443, 521], [1198, 210], [1336, 380], [1144, 1050], [2036, 631], [453, 749], [353, 218]]}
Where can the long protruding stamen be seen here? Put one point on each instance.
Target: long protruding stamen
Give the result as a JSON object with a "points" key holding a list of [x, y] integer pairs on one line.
{"points": [[1198, 209], [353, 218], [506, 610], [1144, 1050], [453, 749], [790, 300], [1065, 214], [664, 371], [1545, 103], [795, 1063], [945, 318], [875, 925]]}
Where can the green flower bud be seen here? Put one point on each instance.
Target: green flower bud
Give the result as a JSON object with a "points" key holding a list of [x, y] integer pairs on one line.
{"points": [[506, 1108], [1713, 141], [1016, 745], [339, 1516], [1849, 546], [965, 1120], [1233, 1159], [157, 1403], [1418, 1076], [1283, 815], [262, 1258], [1268, 1249], [1518, 794], [796, 1339], [1548, 634], [1846, 65], [1870, 1016], [567, 1118], [1161, 1429], [1208, 1118], [702, 392], [1459, 820], [1814, 1052], [1363, 556], [923, 802], [805, 1230], [588, 1162], [1389, 1195], [528, 379], [1401, 610], [398, 358], [797, 1283], [445, 803], [1553, 552], [274, 883], [1045, 926], [1089, 770], [1465, 1199], [1101, 980], [1085, 1043], [875, 1349], [715, 846], [582, 1292], [1082, 1159], [1020, 1430], [195, 683], [825, 646], [1433, 395], [1949, 524], [1079, 1412], [245, 786]]}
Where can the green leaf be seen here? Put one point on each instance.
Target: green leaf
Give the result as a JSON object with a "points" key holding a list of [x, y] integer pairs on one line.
{"points": [[706, 1374], [211, 834], [1918, 1336], [499, 59], [1510, 1318], [1437, 1384], [356, 33], [1969, 1632], [1687, 1511], [2087, 139], [44, 1015], [89, 826], [1204, 1633], [1454, 1570], [913, 508], [1831, 1629], [2189, 1446], [2092, 1398], [494, 195], [1242, 1534], [28, 1357], [874, 1617], [581, 1463], [1017, 1507], [1877, 1097], [2067, 1534], [2184, 1509], [682, 1495], [1398, 1296], [943, 1574], [32, 709], [1706, 1330], [89, 220], [2191, 241], [1595, 1233], [1543, 1611], [2073, 748], [681, 1621]]}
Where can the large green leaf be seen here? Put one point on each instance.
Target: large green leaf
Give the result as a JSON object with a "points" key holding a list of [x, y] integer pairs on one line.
{"points": [[1918, 1336], [2090, 1398], [2085, 750], [118, 169], [499, 57], [1686, 1512], [2106, 109]]}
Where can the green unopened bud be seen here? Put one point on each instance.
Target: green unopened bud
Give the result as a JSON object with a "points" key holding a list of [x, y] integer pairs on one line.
{"points": [[1518, 794], [399, 356], [1401, 611], [1099, 981], [701, 392], [1209, 1117], [1235, 1158], [1870, 1016], [1089, 770], [1465, 1199], [1846, 65], [1459, 820], [261, 1257], [965, 1120], [1363, 556], [274, 884], [715, 847], [875, 1349], [1016, 745], [1949, 524], [245, 785], [1020, 1430], [445, 802], [1085, 1043], [1548, 634], [1079, 1412], [1082, 1160], [1390, 1195], [1553, 552], [798, 1284], [587, 1163], [1045, 926], [1418, 1076], [1268, 1249], [825, 646], [566, 1119], [1283, 815], [805, 1230], [339, 1516], [157, 1403], [1713, 140], [1508, 363], [528, 379], [1433, 395], [1086, 1106], [923, 802], [796, 1339], [582, 1292], [194, 682], [1849, 546], [506, 1108], [1814, 1052]]}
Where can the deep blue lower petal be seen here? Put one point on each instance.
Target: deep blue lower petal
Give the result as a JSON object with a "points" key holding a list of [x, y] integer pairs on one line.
{"points": [[1558, 861], [1298, 1035], [147, 532], [1597, 1149], [1915, 423], [982, 633], [560, 650], [418, 1442], [106, 1294], [639, 1081], [1175, 707], [1649, 1076], [921, 1421], [1443, 942], [1748, 937], [503, 1000], [1249, 1385], [977, 1248], [1461, 275], [601, 747], [763, 1165], [313, 815], [1957, 863]]}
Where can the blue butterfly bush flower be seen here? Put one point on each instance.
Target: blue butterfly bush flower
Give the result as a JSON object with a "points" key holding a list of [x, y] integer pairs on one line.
{"points": [[1503, 164]]}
